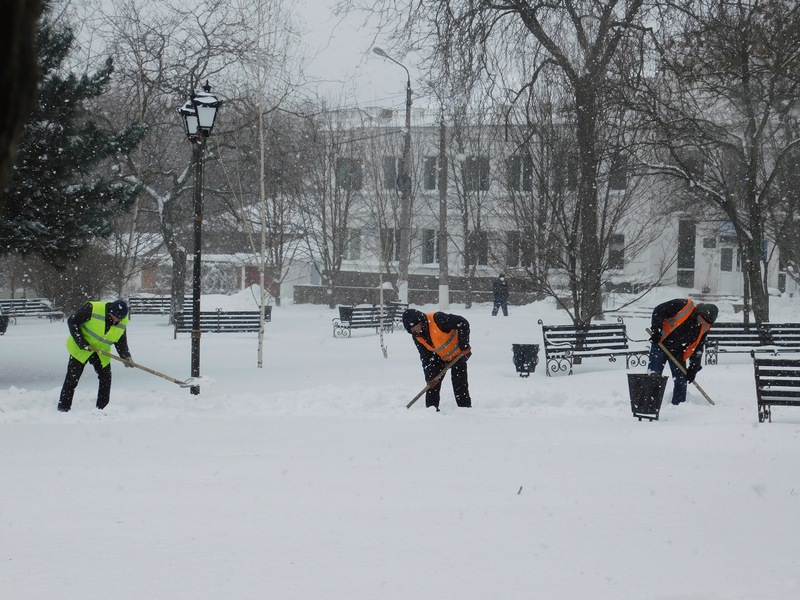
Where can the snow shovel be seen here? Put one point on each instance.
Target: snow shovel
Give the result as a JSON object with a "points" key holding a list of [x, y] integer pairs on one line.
{"points": [[188, 383], [681, 367], [435, 380]]}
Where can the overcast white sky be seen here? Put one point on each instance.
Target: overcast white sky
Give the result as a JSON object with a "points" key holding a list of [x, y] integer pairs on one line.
{"points": [[343, 57]]}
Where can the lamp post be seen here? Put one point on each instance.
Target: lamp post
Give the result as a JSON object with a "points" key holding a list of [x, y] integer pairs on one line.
{"points": [[444, 285], [199, 114], [404, 183]]}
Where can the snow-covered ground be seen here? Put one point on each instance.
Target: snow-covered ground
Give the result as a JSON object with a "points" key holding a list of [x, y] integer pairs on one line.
{"points": [[308, 479]]}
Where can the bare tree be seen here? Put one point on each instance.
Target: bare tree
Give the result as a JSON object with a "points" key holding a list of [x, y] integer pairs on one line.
{"points": [[163, 51], [728, 82], [582, 39], [333, 193], [542, 202]]}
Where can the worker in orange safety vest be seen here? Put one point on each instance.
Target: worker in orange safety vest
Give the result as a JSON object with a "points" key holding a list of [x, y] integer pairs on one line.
{"points": [[441, 337], [681, 326]]}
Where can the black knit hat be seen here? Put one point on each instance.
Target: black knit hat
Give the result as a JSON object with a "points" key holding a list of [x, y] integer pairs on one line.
{"points": [[118, 308], [411, 316], [708, 311]]}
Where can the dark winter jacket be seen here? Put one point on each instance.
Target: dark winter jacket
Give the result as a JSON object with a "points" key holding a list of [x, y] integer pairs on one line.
{"points": [[431, 362], [500, 289], [684, 335]]}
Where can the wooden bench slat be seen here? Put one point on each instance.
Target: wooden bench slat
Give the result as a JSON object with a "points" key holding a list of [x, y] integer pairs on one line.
{"points": [[155, 305]]}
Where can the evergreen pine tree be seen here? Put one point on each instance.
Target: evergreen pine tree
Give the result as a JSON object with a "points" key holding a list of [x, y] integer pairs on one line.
{"points": [[59, 198]]}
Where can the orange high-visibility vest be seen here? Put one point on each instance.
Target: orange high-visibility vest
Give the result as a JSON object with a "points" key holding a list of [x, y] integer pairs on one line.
{"points": [[691, 347], [676, 320], [444, 344]]}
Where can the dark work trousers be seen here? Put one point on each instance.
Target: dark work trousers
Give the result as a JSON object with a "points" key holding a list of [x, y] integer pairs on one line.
{"points": [[458, 374], [658, 360], [500, 302], [74, 372]]}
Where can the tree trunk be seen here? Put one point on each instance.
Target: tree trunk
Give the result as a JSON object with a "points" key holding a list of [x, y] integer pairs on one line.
{"points": [[588, 292], [18, 78]]}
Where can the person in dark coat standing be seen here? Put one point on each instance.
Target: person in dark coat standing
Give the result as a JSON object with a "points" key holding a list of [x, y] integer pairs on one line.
{"points": [[500, 290], [681, 326], [96, 325], [441, 337]]}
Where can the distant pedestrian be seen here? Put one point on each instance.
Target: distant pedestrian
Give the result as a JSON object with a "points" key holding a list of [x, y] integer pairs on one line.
{"points": [[500, 290], [681, 326], [441, 337], [96, 325]]}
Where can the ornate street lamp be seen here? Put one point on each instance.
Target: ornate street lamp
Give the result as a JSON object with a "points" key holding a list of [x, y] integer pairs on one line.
{"points": [[199, 114], [404, 183]]}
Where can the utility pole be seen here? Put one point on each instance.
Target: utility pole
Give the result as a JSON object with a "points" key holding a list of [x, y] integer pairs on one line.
{"points": [[444, 286], [404, 185]]}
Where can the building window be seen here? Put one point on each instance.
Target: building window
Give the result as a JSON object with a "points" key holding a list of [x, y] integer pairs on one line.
{"points": [[430, 176], [686, 244], [352, 244], [429, 254], [565, 174], [695, 166], [512, 248], [726, 259], [390, 244], [616, 251], [520, 173], [519, 248], [618, 172], [390, 172], [478, 248], [475, 171], [349, 174]]}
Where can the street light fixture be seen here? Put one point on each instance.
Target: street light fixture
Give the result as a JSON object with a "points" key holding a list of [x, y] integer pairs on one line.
{"points": [[199, 114], [404, 183]]}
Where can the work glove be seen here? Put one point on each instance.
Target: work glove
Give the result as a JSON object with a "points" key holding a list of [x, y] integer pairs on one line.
{"points": [[466, 353], [655, 337], [128, 362], [692, 371]]}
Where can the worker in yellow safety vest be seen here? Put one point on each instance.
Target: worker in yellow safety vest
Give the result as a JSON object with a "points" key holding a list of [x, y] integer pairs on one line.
{"points": [[95, 326]]}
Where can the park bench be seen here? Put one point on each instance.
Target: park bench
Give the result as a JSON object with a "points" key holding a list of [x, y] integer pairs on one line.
{"points": [[565, 345], [361, 317], [738, 337], [395, 311], [777, 384], [155, 305], [221, 321], [30, 307]]}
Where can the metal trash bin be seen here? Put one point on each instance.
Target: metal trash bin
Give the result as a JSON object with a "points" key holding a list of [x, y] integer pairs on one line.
{"points": [[526, 357], [647, 392]]}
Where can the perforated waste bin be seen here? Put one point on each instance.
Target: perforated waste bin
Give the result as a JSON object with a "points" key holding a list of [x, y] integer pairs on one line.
{"points": [[526, 356], [647, 392]]}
